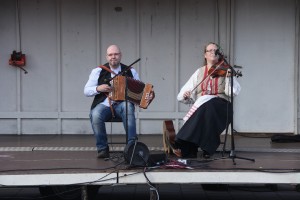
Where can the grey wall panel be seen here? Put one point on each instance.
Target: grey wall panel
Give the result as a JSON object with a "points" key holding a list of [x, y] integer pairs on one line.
{"points": [[147, 126], [8, 126], [197, 28], [8, 43], [64, 40], [264, 44], [78, 52], [39, 126], [76, 126], [118, 25], [157, 48], [38, 34]]}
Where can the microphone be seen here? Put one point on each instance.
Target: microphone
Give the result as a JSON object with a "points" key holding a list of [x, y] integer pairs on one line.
{"points": [[237, 66], [217, 53]]}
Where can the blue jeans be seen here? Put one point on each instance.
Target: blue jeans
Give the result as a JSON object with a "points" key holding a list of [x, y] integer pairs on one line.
{"points": [[101, 113]]}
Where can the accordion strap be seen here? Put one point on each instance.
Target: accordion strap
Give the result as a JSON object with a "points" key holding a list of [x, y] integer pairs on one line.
{"points": [[110, 105], [107, 69]]}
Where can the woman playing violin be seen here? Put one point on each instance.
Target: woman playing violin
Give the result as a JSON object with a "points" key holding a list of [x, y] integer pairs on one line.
{"points": [[210, 114]]}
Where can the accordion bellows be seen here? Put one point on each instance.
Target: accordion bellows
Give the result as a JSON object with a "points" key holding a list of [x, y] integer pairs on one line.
{"points": [[138, 92]]}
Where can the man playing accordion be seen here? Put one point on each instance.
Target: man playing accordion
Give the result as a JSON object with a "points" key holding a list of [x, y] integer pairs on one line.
{"points": [[105, 108]]}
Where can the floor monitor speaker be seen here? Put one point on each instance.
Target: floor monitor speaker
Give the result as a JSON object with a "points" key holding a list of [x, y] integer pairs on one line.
{"points": [[136, 154]]}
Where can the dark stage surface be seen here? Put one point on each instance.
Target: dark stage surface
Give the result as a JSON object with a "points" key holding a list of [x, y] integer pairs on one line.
{"points": [[34, 160]]}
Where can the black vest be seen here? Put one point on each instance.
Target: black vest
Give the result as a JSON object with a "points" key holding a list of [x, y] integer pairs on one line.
{"points": [[104, 76]]}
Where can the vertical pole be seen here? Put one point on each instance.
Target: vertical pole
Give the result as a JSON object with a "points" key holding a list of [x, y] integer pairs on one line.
{"points": [[84, 193], [232, 152], [126, 112], [153, 194]]}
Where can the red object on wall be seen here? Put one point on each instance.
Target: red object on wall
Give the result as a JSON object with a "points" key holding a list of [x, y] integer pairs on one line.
{"points": [[17, 59]]}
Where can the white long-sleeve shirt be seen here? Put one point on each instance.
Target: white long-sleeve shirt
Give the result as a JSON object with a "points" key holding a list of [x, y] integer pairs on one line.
{"points": [[92, 83], [196, 98]]}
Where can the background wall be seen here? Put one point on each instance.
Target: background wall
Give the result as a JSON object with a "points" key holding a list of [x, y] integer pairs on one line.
{"points": [[64, 40]]}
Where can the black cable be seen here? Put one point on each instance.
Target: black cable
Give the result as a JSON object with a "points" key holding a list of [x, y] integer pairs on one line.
{"points": [[152, 187]]}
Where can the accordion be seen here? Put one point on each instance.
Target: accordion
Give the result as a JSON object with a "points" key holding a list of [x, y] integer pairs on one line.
{"points": [[137, 93]]}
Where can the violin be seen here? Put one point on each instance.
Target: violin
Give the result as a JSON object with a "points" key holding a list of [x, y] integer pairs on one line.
{"points": [[220, 69]]}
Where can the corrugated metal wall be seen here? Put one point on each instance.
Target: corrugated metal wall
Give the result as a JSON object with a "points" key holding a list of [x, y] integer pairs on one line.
{"points": [[63, 40]]}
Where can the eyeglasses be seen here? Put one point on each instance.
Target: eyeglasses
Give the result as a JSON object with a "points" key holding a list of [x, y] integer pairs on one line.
{"points": [[113, 54], [211, 50]]}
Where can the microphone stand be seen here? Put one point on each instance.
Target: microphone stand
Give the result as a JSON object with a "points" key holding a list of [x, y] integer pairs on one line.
{"points": [[124, 72], [126, 106], [232, 154]]}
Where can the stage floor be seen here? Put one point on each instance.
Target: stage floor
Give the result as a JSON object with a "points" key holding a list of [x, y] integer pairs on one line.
{"points": [[62, 155], [31, 161]]}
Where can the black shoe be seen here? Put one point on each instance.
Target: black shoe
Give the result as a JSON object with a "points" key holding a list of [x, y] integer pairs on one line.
{"points": [[103, 153], [190, 155]]}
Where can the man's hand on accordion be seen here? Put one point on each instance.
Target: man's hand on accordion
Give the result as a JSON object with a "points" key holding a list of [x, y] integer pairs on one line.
{"points": [[150, 96], [104, 88]]}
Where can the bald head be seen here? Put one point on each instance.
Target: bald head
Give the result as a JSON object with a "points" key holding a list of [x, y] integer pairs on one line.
{"points": [[113, 48], [113, 56]]}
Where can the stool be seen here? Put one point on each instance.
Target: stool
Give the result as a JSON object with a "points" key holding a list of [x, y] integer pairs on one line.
{"points": [[112, 120]]}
